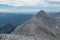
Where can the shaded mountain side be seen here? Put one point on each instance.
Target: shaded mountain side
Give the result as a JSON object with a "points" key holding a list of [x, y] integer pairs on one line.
{"points": [[8, 19], [8, 28], [19, 18], [40, 24]]}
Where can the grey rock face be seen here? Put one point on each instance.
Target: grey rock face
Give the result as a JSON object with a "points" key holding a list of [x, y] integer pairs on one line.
{"points": [[22, 37], [38, 25]]}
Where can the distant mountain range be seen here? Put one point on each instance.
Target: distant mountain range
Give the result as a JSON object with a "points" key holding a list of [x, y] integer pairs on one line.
{"points": [[8, 19], [19, 18], [8, 28]]}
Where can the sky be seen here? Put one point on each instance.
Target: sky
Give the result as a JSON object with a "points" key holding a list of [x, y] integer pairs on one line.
{"points": [[29, 5]]}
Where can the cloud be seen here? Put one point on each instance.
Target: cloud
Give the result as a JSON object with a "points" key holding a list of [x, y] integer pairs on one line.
{"points": [[44, 3], [28, 10], [21, 10], [3, 10], [24, 2], [27, 5], [53, 0], [53, 3]]}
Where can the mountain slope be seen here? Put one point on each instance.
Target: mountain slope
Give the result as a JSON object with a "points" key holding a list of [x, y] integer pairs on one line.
{"points": [[39, 25]]}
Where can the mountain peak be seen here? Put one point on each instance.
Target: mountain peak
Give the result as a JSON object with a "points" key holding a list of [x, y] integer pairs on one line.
{"points": [[41, 13]]}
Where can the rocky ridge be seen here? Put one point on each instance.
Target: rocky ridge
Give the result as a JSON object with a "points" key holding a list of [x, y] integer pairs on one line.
{"points": [[39, 25]]}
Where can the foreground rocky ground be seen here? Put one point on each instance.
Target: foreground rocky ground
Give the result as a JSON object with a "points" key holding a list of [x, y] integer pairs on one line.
{"points": [[21, 37]]}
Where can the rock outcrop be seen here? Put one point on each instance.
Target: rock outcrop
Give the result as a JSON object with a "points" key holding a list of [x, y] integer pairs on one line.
{"points": [[22, 37]]}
